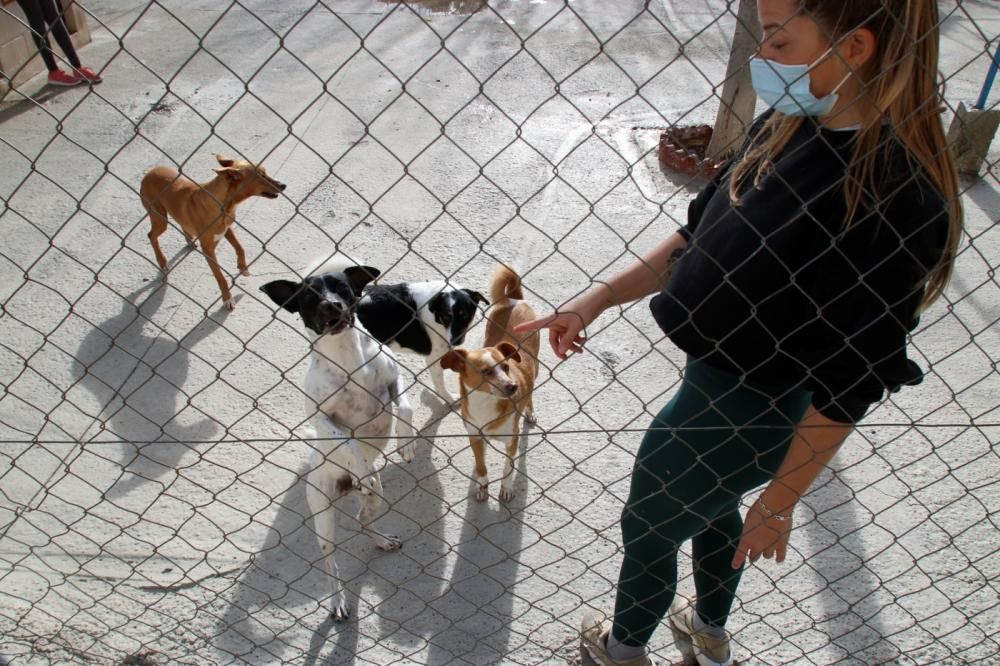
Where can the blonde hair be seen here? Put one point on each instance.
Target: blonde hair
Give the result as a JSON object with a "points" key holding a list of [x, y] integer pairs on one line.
{"points": [[906, 91]]}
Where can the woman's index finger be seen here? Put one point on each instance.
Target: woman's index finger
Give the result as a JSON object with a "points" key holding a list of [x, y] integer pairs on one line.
{"points": [[535, 324]]}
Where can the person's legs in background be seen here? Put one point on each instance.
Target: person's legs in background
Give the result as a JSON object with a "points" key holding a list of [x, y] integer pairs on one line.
{"points": [[44, 17]]}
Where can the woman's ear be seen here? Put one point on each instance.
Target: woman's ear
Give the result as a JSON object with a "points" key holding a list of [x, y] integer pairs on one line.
{"points": [[859, 49]]}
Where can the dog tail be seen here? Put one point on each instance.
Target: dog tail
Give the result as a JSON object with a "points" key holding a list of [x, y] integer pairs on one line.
{"points": [[506, 284]]}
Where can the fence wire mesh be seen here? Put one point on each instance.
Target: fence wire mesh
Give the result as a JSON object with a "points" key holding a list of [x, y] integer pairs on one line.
{"points": [[153, 448]]}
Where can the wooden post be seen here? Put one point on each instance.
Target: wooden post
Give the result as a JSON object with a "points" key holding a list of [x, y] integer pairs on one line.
{"points": [[738, 99]]}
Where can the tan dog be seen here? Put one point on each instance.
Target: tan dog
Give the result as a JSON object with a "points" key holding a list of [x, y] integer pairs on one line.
{"points": [[497, 380], [205, 211]]}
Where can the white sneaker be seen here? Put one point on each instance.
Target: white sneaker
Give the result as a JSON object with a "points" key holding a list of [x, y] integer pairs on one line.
{"points": [[704, 649], [594, 645]]}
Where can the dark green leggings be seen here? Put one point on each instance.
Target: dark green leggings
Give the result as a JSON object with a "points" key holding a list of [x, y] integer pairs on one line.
{"points": [[715, 440]]}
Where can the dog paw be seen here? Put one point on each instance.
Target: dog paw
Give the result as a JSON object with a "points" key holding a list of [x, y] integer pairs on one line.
{"points": [[406, 452], [340, 610], [245, 271], [482, 493], [370, 485], [229, 304], [387, 542], [506, 493]]}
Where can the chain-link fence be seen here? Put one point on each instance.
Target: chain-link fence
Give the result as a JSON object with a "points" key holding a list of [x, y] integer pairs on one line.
{"points": [[152, 449]]}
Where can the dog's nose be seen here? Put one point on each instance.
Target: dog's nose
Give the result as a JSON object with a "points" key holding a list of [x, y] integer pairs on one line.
{"points": [[281, 186], [510, 389], [330, 313]]}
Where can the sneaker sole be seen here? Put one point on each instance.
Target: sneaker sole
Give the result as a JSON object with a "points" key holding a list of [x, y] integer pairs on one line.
{"points": [[585, 658]]}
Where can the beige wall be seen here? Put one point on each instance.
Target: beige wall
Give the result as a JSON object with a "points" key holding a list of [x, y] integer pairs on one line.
{"points": [[19, 58]]}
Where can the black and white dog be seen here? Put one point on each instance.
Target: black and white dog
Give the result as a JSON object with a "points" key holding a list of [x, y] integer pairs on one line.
{"points": [[350, 385], [428, 318]]}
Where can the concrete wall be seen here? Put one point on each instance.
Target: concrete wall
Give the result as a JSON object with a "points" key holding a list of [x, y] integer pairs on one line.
{"points": [[19, 58]]}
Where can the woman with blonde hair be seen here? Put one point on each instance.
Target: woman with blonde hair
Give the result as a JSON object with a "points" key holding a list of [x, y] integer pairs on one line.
{"points": [[793, 288]]}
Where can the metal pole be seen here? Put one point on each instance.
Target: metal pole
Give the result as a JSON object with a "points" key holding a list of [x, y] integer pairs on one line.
{"points": [[988, 83]]}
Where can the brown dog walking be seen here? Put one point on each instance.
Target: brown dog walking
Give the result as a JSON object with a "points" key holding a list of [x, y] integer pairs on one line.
{"points": [[206, 212]]}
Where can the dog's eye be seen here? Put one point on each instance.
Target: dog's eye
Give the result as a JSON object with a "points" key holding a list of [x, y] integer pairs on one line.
{"points": [[445, 319], [505, 366]]}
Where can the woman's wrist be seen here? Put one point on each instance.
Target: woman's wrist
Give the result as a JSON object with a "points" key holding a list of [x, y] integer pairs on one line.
{"points": [[599, 297], [781, 495], [778, 512]]}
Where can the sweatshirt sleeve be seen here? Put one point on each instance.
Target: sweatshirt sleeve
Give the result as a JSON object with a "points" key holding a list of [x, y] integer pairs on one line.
{"points": [[697, 206], [866, 290]]}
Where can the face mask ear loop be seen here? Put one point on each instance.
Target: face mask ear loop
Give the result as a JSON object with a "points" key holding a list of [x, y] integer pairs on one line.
{"points": [[833, 93], [836, 88], [840, 85], [821, 59]]}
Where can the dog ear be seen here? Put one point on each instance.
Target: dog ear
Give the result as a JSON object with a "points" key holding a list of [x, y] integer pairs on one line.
{"points": [[283, 293], [230, 174], [454, 360], [476, 296], [359, 276], [224, 161], [509, 351]]}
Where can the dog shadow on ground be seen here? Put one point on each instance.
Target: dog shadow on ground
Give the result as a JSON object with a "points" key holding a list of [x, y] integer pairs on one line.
{"points": [[275, 599], [136, 373], [274, 608], [476, 608]]}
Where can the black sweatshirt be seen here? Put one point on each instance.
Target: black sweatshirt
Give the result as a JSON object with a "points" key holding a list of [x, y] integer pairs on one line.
{"points": [[776, 291]]}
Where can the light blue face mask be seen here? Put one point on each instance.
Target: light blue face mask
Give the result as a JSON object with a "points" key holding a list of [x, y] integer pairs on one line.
{"points": [[786, 88]]}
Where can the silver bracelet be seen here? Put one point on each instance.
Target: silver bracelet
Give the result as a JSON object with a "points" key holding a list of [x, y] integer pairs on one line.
{"points": [[769, 512]]}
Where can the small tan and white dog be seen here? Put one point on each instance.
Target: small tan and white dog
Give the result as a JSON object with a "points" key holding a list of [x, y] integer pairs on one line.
{"points": [[497, 380]]}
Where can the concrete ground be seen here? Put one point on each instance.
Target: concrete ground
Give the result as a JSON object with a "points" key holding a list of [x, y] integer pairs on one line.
{"points": [[150, 496]]}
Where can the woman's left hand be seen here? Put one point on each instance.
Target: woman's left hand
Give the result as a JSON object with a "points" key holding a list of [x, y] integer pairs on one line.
{"points": [[762, 535]]}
